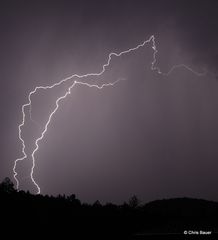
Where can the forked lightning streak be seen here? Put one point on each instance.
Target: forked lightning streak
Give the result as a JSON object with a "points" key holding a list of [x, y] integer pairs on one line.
{"points": [[29, 103]]}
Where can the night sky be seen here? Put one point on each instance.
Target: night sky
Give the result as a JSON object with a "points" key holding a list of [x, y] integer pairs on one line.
{"points": [[151, 135]]}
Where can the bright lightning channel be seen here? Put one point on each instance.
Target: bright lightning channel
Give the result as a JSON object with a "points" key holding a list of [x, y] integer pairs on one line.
{"points": [[29, 103]]}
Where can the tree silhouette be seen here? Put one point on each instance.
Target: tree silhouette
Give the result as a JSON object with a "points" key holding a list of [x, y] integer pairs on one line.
{"points": [[73, 200], [66, 214], [7, 186], [134, 201]]}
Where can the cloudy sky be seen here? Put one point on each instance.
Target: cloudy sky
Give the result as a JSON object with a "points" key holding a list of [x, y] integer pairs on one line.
{"points": [[151, 135]]}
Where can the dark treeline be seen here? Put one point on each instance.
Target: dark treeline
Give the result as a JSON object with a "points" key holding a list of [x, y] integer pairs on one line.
{"points": [[22, 213]]}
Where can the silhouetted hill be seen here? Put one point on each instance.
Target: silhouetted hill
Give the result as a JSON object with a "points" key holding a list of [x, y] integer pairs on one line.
{"points": [[182, 207], [23, 213]]}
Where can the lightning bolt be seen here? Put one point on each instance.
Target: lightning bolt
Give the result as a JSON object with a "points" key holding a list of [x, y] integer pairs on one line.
{"points": [[68, 92]]}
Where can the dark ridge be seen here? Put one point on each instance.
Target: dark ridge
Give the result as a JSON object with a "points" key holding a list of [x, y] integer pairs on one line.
{"points": [[26, 215]]}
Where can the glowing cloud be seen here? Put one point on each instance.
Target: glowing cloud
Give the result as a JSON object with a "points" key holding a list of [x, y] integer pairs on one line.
{"points": [[29, 103]]}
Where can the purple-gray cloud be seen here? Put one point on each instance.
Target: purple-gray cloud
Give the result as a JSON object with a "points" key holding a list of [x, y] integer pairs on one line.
{"points": [[152, 136]]}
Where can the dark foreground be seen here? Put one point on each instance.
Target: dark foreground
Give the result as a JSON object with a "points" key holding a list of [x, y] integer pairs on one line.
{"points": [[28, 216]]}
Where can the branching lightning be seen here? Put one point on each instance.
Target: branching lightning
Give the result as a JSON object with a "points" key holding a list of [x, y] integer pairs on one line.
{"points": [[29, 103]]}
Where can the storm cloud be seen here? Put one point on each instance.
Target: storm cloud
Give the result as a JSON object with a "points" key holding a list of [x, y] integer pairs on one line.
{"points": [[152, 135]]}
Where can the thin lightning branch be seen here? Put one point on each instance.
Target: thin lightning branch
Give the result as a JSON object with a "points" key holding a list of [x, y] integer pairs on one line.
{"points": [[23, 145], [49, 120], [29, 104], [153, 67]]}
